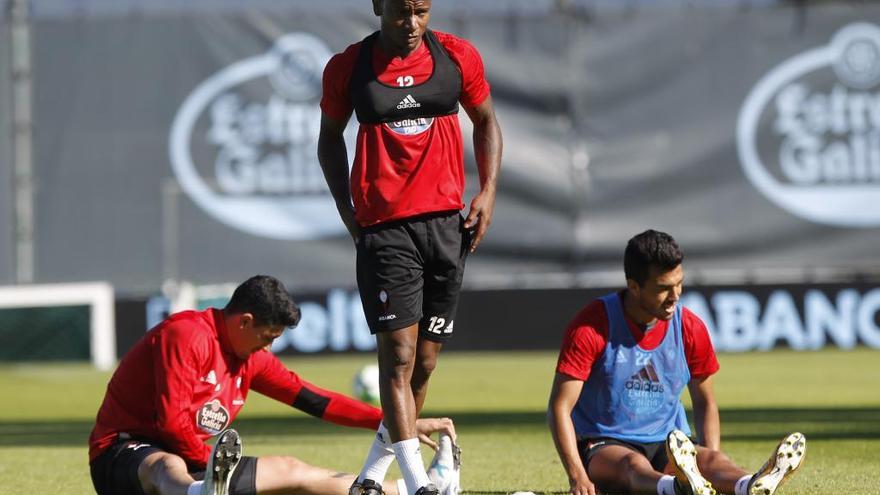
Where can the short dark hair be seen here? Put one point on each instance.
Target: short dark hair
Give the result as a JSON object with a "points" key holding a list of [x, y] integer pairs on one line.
{"points": [[650, 248], [267, 299]]}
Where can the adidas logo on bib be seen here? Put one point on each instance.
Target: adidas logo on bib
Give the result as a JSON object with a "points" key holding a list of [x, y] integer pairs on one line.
{"points": [[408, 102]]}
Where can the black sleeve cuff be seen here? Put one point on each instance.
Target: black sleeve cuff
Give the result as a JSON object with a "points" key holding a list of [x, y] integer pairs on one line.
{"points": [[311, 403]]}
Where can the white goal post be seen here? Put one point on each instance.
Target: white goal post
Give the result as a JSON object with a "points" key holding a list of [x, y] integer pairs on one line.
{"points": [[98, 296]]}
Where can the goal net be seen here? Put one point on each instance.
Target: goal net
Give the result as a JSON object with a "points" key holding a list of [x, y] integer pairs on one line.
{"points": [[58, 322]]}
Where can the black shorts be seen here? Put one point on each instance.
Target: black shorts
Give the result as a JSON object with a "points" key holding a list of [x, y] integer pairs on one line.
{"points": [[115, 471], [654, 451], [410, 271]]}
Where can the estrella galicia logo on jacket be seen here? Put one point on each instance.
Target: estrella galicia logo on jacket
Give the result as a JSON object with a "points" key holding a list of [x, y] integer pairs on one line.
{"points": [[808, 134], [212, 417], [643, 391], [242, 144]]}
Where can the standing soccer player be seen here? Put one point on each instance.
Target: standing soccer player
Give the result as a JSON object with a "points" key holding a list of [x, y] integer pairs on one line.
{"points": [[615, 413], [401, 202]]}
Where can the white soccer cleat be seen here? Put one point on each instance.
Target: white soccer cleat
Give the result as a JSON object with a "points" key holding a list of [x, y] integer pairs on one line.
{"points": [[787, 457], [683, 455], [445, 469], [224, 458]]}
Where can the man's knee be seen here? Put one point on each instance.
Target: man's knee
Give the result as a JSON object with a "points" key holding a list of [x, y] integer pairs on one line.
{"points": [[637, 467], [615, 468], [635, 463], [710, 460], [426, 365], [426, 360], [160, 469], [397, 357]]}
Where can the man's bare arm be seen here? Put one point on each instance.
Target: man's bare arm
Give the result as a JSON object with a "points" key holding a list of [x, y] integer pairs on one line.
{"points": [[488, 145], [333, 157], [563, 396], [706, 416]]}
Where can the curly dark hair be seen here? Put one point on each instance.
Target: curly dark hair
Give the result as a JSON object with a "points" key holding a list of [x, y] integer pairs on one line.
{"points": [[267, 299], [650, 248]]}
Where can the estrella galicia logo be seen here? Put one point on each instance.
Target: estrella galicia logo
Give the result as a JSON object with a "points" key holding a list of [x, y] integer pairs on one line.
{"points": [[212, 417], [643, 391], [808, 134], [410, 127], [242, 145]]}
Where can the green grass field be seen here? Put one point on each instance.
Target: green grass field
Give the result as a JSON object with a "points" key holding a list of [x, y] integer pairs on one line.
{"points": [[498, 402]]}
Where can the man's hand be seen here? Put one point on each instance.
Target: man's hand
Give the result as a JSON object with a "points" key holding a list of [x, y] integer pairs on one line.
{"points": [[427, 426], [583, 486], [480, 215]]}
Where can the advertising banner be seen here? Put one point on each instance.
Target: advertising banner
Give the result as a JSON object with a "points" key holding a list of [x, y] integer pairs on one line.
{"points": [[817, 154], [180, 144], [740, 318], [751, 137]]}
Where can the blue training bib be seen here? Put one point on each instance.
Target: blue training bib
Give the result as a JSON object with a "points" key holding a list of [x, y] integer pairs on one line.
{"points": [[633, 394]]}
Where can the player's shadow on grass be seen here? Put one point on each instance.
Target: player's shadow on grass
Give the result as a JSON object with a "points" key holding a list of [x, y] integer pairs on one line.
{"points": [[739, 424], [817, 423]]}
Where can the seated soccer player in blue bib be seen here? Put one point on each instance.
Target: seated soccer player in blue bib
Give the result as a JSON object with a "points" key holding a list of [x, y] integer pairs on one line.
{"points": [[615, 413]]}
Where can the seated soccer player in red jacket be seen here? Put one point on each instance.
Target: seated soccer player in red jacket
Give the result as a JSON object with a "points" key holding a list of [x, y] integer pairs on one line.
{"points": [[185, 382]]}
